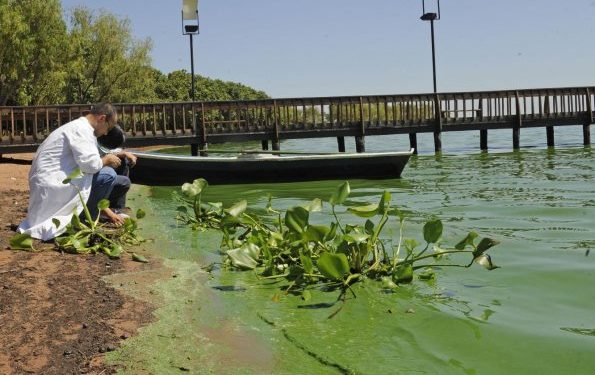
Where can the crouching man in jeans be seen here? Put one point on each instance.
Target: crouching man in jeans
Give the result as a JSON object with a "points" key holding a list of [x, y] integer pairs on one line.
{"points": [[112, 182]]}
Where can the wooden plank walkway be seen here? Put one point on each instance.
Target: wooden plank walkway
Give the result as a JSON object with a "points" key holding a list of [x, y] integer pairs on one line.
{"points": [[22, 129]]}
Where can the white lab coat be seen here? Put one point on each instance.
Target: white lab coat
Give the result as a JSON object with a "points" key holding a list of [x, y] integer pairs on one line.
{"points": [[71, 146]]}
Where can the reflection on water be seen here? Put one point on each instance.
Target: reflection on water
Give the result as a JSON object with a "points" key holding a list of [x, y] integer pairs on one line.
{"points": [[538, 202], [580, 331]]}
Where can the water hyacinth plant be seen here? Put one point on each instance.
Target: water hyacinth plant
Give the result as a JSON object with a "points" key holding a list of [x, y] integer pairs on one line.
{"points": [[193, 211], [90, 236], [291, 247]]}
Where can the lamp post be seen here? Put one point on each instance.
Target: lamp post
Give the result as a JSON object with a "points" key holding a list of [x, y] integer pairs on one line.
{"points": [[190, 28], [434, 16], [431, 16]]}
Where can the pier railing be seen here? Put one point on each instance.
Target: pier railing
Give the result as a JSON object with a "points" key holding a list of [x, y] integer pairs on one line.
{"points": [[22, 129]]}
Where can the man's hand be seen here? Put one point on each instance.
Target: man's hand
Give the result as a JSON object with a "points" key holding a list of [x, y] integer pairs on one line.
{"points": [[114, 218], [131, 158], [111, 160]]}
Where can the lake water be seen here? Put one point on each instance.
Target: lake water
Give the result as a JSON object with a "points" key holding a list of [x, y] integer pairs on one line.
{"points": [[536, 314]]}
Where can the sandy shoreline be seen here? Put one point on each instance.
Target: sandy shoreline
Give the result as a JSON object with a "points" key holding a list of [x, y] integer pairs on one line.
{"points": [[58, 315]]}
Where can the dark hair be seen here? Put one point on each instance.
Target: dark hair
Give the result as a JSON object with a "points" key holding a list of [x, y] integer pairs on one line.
{"points": [[104, 109], [114, 138]]}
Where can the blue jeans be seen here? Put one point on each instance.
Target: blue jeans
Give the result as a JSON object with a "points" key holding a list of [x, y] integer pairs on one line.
{"points": [[107, 184]]}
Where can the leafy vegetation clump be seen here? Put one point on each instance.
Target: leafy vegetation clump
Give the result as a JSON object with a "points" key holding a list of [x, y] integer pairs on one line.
{"points": [[90, 236], [306, 254]]}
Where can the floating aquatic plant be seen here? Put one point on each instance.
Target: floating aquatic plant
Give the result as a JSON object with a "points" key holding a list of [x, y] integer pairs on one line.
{"points": [[339, 254]]}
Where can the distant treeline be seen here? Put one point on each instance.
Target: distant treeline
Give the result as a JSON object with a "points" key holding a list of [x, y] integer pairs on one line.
{"points": [[90, 57]]}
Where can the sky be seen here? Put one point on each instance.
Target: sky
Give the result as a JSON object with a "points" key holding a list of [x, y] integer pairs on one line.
{"points": [[305, 48]]}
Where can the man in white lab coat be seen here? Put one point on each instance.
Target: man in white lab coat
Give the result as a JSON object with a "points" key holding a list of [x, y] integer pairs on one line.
{"points": [[71, 146]]}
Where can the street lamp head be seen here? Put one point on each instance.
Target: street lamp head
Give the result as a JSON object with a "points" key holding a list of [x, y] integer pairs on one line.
{"points": [[190, 17], [430, 16], [190, 29]]}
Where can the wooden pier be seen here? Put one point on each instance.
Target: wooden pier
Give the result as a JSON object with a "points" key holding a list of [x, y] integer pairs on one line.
{"points": [[22, 129]]}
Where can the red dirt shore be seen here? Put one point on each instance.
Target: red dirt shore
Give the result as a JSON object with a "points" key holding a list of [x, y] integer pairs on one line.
{"points": [[57, 315]]}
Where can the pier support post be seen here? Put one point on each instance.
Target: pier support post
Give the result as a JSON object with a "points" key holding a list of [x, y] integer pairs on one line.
{"points": [[360, 140], [265, 144], [202, 134], [204, 146], [483, 139], [276, 141], [516, 138], [516, 128], [438, 129], [341, 144], [588, 121], [549, 130], [437, 142], [360, 143], [413, 142], [194, 149]]}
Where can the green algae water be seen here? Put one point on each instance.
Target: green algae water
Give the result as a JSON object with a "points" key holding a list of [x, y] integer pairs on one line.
{"points": [[536, 314]]}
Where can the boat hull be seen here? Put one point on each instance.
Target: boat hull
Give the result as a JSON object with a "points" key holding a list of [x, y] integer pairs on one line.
{"points": [[163, 169]]}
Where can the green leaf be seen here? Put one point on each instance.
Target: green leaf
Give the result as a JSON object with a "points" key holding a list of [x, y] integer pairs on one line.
{"points": [[182, 209], [269, 206], [140, 213], [103, 204], [486, 261], [316, 233], [296, 219], [433, 231], [340, 194], [314, 206], [333, 266], [75, 222], [216, 205], [384, 204], [307, 263], [368, 210], [484, 245], [115, 251], [56, 223], [467, 241], [369, 226], [306, 296], [427, 275], [403, 274], [410, 244], [76, 173], [139, 258], [332, 233], [387, 283], [237, 209], [245, 257], [195, 188], [21, 241], [356, 237]]}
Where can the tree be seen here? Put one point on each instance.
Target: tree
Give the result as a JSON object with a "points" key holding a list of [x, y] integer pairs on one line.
{"points": [[32, 40], [176, 86], [105, 63], [95, 58]]}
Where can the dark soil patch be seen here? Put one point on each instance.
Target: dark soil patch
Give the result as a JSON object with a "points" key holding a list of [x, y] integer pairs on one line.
{"points": [[57, 316]]}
